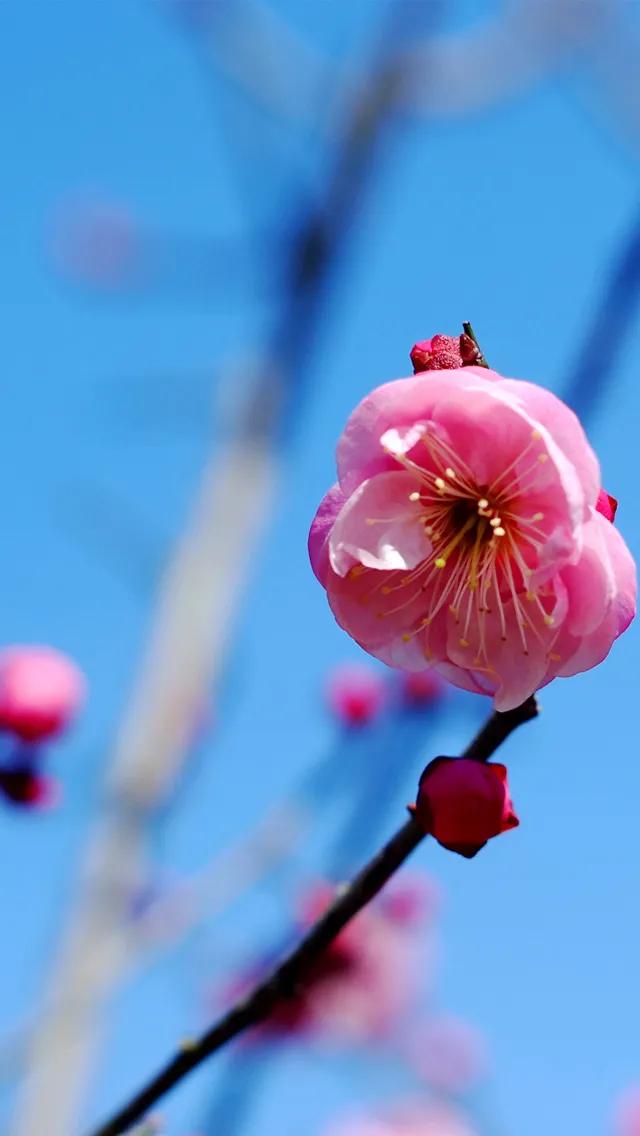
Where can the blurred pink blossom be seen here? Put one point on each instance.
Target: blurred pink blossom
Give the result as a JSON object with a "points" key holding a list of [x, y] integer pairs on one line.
{"points": [[28, 789], [627, 1112], [363, 983], [463, 534], [449, 1053], [422, 688], [41, 691], [355, 693], [410, 1119], [97, 242]]}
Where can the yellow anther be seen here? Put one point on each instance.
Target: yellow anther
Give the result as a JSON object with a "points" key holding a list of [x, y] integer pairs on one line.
{"points": [[440, 483], [463, 642], [385, 590], [555, 658], [406, 638], [499, 531], [536, 434], [543, 457], [538, 517], [370, 521], [549, 620], [483, 503], [450, 472], [440, 562], [495, 522], [415, 496], [356, 571]]}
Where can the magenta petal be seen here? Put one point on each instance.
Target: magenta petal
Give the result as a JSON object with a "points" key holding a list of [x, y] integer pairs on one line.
{"points": [[320, 530]]}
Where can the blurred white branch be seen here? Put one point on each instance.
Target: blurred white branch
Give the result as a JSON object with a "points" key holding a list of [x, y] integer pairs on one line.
{"points": [[195, 608]]}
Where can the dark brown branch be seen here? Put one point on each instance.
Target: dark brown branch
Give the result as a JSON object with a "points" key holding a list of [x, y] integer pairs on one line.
{"points": [[285, 980]]}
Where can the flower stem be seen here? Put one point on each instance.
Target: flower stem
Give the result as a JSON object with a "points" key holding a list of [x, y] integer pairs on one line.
{"points": [[284, 981]]}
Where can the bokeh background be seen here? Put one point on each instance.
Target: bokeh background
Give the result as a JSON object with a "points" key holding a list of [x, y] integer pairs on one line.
{"points": [[223, 223]]}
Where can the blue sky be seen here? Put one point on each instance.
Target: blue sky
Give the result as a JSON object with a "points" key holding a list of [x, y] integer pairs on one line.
{"points": [[510, 217]]}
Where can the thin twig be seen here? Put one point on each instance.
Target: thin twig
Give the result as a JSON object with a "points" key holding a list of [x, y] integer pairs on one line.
{"points": [[285, 980]]}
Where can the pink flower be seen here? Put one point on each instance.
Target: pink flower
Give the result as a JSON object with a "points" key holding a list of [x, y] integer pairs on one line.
{"points": [[464, 803], [463, 534], [40, 692]]}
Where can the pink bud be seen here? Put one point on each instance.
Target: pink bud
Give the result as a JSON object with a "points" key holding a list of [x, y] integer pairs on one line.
{"points": [[355, 693], [463, 803], [440, 353], [607, 505], [41, 690]]}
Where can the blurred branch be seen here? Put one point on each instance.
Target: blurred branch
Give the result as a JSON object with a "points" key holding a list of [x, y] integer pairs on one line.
{"points": [[454, 75], [609, 329], [283, 982], [191, 631]]}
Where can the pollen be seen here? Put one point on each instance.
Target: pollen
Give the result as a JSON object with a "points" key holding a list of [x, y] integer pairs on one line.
{"points": [[463, 642], [415, 496], [451, 473], [495, 522], [538, 517], [385, 590], [440, 562], [499, 531], [483, 503], [549, 620], [440, 483], [543, 457]]}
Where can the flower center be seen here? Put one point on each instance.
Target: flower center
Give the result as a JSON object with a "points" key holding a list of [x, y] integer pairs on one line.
{"points": [[482, 546]]}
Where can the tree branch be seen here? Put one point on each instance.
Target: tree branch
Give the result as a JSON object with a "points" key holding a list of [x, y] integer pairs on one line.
{"points": [[285, 980]]}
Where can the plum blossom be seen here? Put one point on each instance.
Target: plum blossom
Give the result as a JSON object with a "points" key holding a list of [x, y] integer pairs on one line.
{"points": [[465, 533]]}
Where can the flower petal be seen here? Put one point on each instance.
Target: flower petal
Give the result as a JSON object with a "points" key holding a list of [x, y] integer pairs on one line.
{"points": [[320, 531], [380, 527]]}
